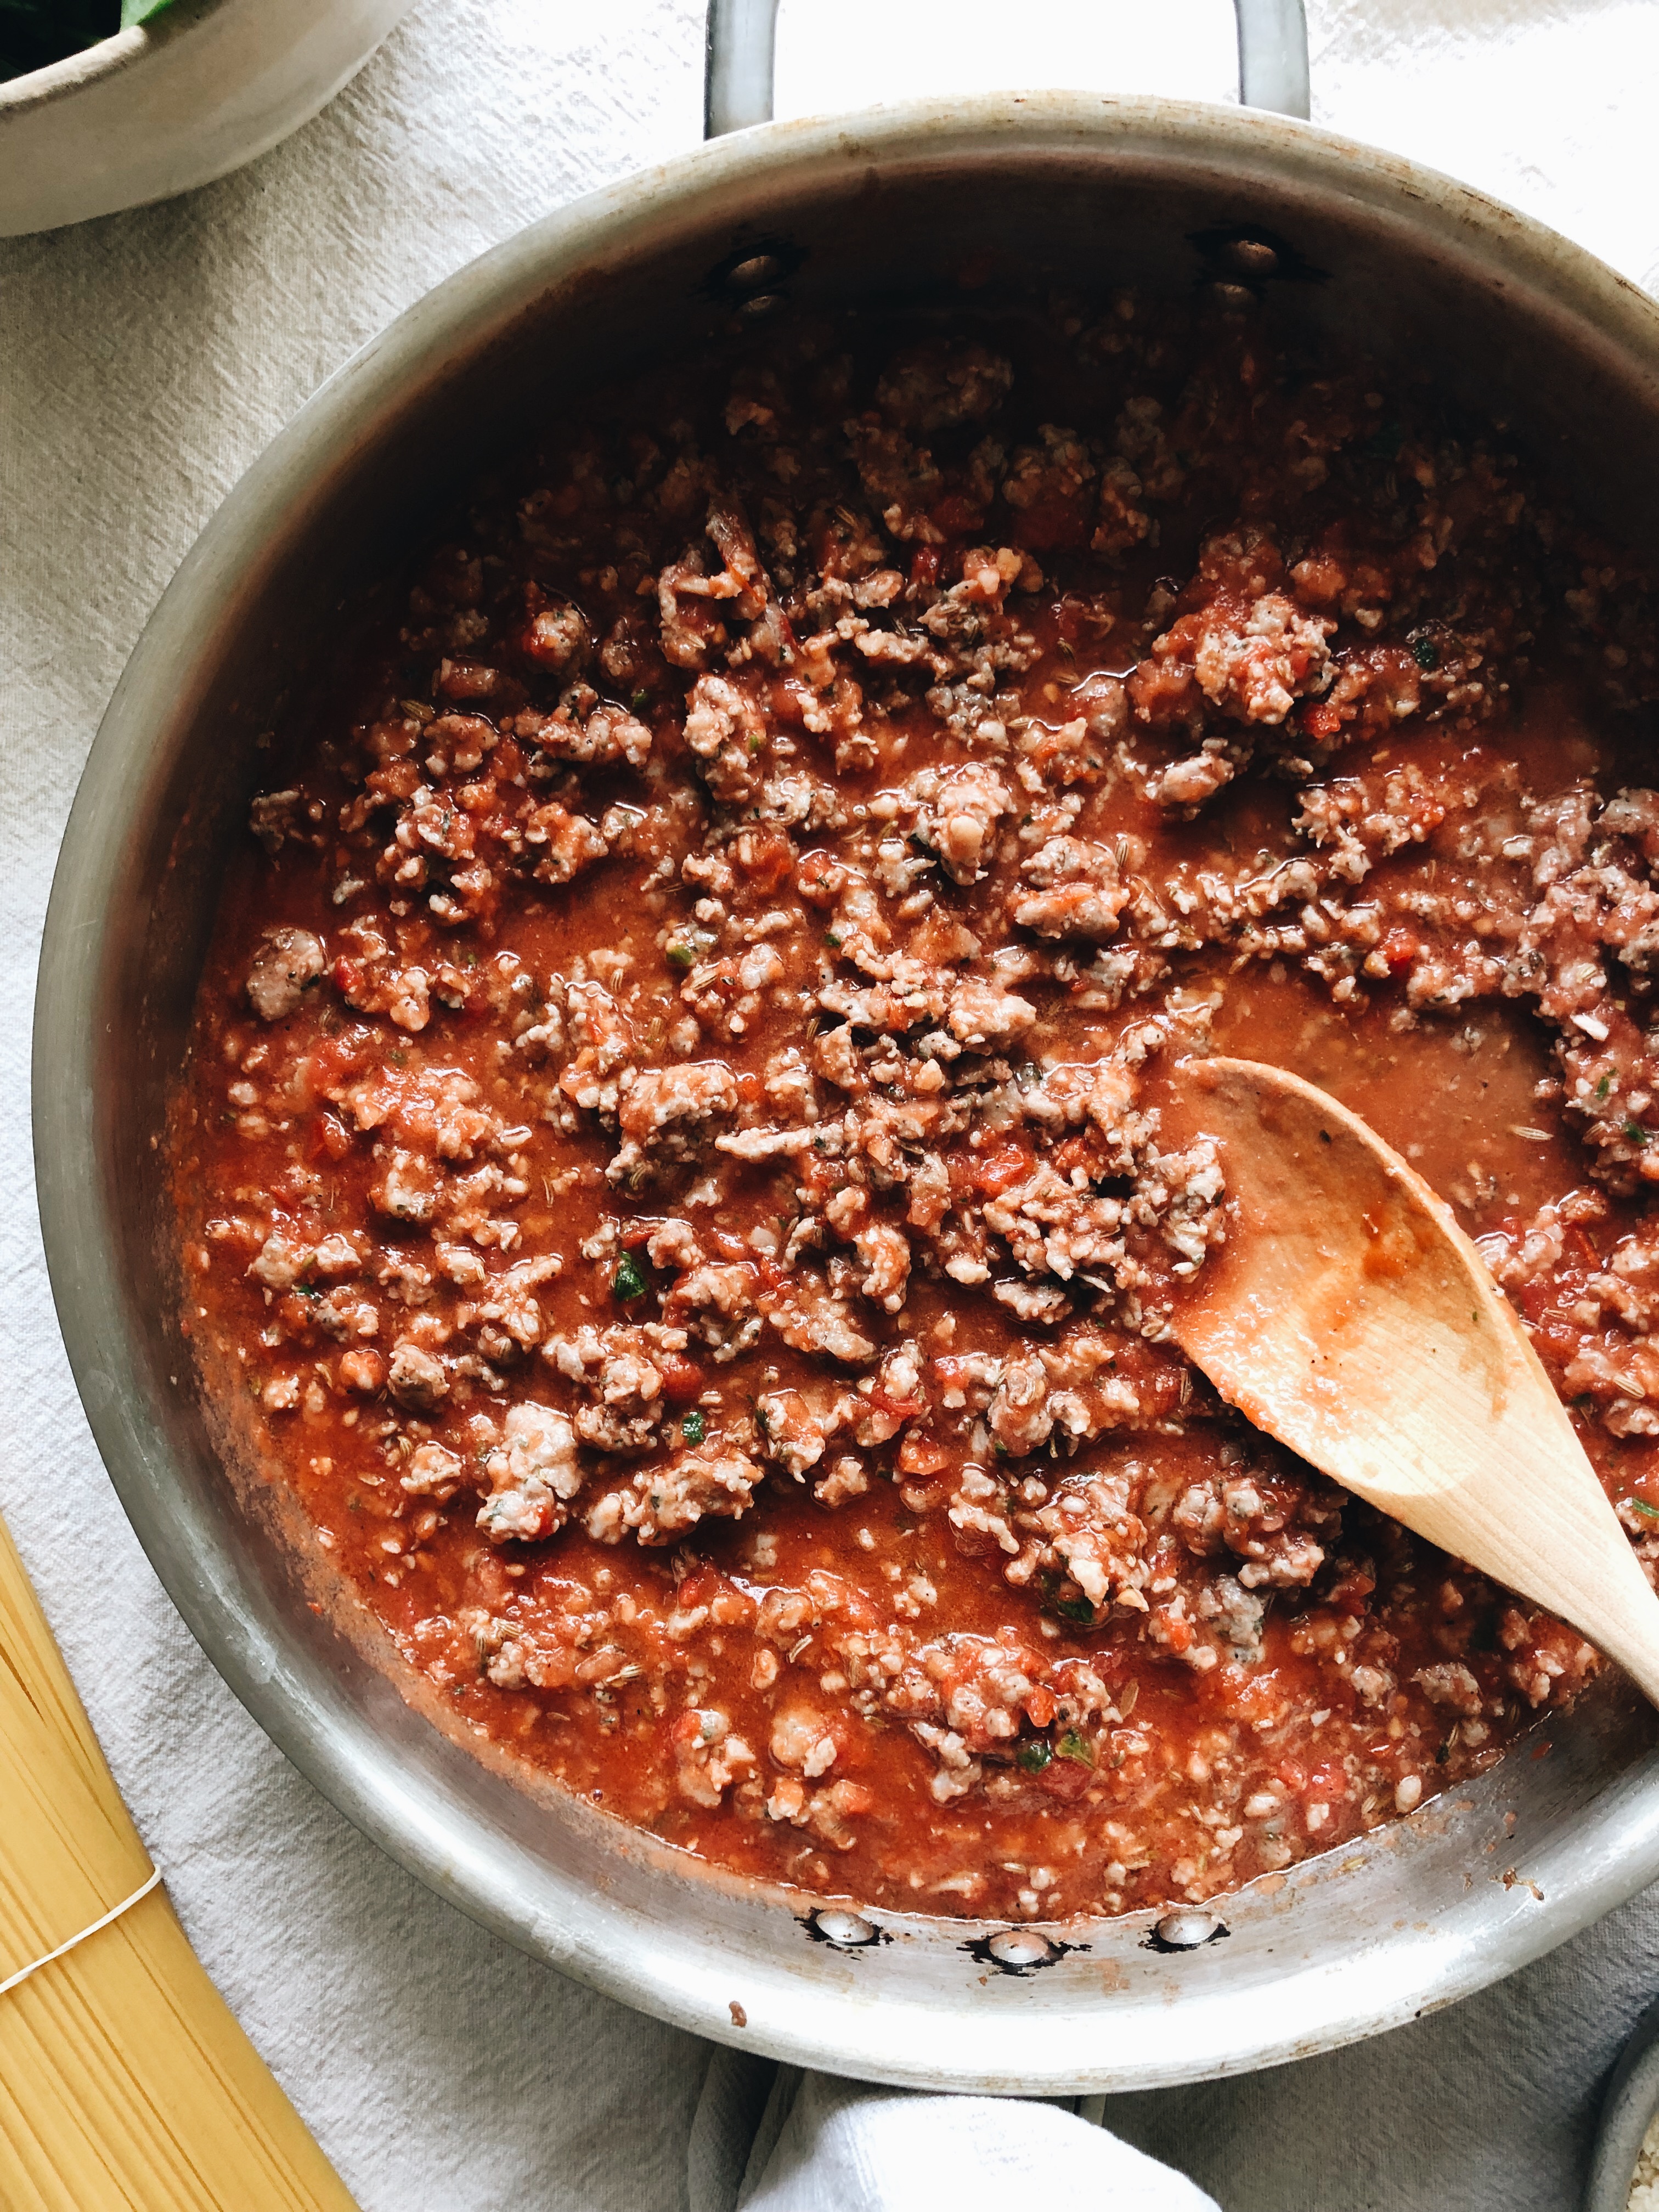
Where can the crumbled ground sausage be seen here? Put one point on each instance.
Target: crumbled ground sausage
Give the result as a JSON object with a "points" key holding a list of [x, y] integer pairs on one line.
{"points": [[286, 964], [671, 1161]]}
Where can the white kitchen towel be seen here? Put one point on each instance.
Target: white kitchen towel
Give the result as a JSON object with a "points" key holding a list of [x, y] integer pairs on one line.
{"points": [[144, 361], [786, 2141], [820, 2144]]}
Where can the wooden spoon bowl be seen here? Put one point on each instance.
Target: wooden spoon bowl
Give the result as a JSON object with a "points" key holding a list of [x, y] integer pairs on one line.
{"points": [[1348, 1315]]}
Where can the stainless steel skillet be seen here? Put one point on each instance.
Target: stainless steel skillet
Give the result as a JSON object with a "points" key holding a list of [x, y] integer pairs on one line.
{"points": [[885, 203]]}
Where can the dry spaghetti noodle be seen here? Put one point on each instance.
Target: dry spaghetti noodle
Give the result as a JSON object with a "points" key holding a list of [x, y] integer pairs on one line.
{"points": [[125, 2084]]}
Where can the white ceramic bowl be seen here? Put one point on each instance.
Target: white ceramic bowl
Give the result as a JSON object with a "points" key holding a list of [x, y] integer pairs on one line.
{"points": [[156, 111], [1627, 2113]]}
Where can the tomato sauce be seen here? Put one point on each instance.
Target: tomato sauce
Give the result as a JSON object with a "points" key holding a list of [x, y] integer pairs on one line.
{"points": [[669, 1164]]}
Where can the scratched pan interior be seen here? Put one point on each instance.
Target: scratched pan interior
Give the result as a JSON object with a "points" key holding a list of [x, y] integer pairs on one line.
{"points": [[885, 206]]}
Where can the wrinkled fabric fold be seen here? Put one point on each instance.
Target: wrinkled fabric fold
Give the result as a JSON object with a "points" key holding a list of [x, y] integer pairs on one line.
{"points": [[770, 2139]]}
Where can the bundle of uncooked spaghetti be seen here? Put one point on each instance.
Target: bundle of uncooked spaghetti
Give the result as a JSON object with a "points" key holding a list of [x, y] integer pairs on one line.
{"points": [[125, 2081]]}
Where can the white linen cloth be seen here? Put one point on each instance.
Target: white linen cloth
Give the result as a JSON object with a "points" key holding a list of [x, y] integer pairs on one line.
{"points": [[144, 361], [819, 2144]]}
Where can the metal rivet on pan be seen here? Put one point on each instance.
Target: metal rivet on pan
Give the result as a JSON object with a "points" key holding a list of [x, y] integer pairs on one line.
{"points": [[1015, 1948], [1186, 1931], [850, 1930], [754, 274], [1253, 257], [764, 303]]}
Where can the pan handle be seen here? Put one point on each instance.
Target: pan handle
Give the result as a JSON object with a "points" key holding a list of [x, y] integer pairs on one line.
{"points": [[742, 45]]}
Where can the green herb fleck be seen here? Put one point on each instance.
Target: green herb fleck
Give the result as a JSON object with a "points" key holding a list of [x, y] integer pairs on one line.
{"points": [[640, 698], [1604, 1086], [1034, 1756], [1643, 1507], [1068, 1608], [628, 1282], [1636, 1132], [689, 945], [1425, 653], [1385, 446], [1075, 1747], [694, 1428]]}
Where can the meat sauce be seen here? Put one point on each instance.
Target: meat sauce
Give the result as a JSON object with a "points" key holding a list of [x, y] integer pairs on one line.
{"points": [[669, 1161]]}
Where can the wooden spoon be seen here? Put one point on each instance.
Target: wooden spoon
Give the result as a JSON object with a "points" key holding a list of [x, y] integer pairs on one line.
{"points": [[1349, 1316]]}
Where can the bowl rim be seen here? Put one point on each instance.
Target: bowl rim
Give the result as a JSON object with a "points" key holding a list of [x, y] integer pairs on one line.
{"points": [[1616, 1838], [104, 59], [1629, 2108]]}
